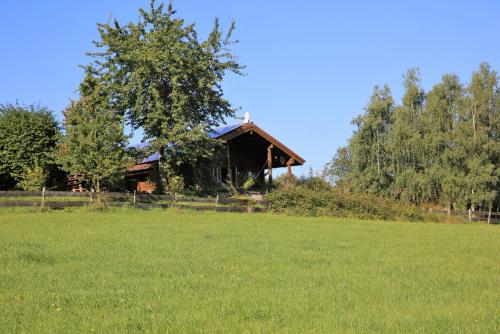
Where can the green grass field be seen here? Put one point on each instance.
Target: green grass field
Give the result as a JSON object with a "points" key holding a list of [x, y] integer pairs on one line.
{"points": [[186, 272]]}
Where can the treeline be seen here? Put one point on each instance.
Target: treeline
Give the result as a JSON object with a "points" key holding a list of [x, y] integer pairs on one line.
{"points": [[439, 147]]}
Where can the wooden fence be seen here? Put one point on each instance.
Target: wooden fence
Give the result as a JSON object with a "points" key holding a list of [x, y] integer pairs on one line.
{"points": [[472, 216], [67, 199]]}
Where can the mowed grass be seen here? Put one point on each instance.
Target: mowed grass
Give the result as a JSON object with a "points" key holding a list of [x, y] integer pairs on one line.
{"points": [[187, 272]]}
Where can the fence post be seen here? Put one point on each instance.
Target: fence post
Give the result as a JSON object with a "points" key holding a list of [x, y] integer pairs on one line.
{"points": [[217, 201], [43, 197], [489, 215], [91, 196], [135, 191], [470, 214]]}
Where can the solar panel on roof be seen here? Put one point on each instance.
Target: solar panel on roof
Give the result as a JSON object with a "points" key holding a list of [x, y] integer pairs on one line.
{"points": [[152, 157], [219, 132], [216, 133]]}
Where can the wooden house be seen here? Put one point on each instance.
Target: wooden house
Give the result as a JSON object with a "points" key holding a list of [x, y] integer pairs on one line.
{"points": [[248, 151]]}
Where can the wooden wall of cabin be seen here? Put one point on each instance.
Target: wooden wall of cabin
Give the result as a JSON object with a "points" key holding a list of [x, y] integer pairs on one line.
{"points": [[245, 161]]}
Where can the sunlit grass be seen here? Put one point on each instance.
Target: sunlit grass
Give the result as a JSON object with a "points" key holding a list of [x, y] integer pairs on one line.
{"points": [[184, 272]]}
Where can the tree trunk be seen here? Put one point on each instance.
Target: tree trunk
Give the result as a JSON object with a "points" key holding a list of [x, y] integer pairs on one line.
{"points": [[98, 191], [378, 153], [162, 179], [474, 122]]}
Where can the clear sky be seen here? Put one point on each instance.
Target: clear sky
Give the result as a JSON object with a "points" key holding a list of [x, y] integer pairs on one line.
{"points": [[311, 65]]}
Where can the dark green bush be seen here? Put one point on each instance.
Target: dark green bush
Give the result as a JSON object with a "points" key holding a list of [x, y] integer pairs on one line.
{"points": [[314, 183]]}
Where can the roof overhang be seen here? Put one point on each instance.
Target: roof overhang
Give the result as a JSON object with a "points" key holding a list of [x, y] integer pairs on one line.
{"points": [[138, 169], [248, 127], [228, 133]]}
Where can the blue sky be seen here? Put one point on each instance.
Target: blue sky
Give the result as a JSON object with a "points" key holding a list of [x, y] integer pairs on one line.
{"points": [[311, 65]]}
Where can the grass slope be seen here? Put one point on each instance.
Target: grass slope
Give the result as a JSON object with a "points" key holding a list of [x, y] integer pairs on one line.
{"points": [[187, 272]]}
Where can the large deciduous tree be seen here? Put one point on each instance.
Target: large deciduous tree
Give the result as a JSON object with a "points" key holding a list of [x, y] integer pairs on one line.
{"points": [[479, 137], [442, 157], [367, 151], [404, 142], [167, 81]]}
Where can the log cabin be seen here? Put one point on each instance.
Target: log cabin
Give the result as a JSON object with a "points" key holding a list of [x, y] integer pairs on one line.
{"points": [[248, 151]]}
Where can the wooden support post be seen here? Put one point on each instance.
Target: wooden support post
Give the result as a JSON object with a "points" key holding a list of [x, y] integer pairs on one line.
{"points": [[270, 163], [289, 166], [135, 192], [228, 156], [470, 215], [43, 197], [236, 176]]}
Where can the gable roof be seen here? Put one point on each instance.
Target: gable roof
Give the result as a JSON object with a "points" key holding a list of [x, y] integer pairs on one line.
{"points": [[229, 132]]}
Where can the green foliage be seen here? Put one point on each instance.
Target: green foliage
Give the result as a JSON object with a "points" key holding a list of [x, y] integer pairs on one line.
{"points": [[441, 147], [232, 189], [175, 184], [313, 183], [28, 137], [339, 169], [94, 144], [315, 197], [163, 79], [365, 163], [33, 179], [248, 184]]}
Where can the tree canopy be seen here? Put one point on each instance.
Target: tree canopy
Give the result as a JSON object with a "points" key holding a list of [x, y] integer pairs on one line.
{"points": [[28, 137], [437, 147], [94, 145], [162, 78]]}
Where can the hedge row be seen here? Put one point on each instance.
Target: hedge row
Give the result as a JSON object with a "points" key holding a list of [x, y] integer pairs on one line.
{"points": [[313, 198]]}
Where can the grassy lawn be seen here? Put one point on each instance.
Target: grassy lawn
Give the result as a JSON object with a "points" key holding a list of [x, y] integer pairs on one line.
{"points": [[188, 272]]}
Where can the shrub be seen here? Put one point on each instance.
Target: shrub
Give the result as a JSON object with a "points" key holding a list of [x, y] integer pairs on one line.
{"points": [[314, 183], [33, 179], [314, 198], [249, 183], [175, 184]]}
